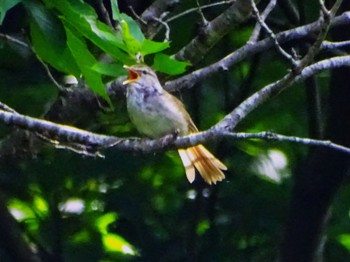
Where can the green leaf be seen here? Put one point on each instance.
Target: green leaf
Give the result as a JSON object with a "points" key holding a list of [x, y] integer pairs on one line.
{"points": [[86, 61], [134, 28], [83, 18], [152, 47], [21, 210], [113, 69], [46, 21], [129, 31], [40, 205], [115, 10], [203, 227], [6, 5], [115, 243], [132, 44], [57, 56], [104, 221], [165, 64], [49, 39], [344, 240]]}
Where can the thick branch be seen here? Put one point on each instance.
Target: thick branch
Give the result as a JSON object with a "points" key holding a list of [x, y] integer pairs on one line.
{"points": [[214, 31]]}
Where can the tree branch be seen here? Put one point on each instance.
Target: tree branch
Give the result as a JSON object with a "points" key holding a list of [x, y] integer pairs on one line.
{"points": [[261, 22], [156, 10], [94, 142], [256, 32], [271, 136], [195, 9], [335, 45], [214, 31], [189, 80], [147, 145], [231, 120]]}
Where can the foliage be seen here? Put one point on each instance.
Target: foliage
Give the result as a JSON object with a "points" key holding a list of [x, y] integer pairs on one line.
{"points": [[60, 31]]}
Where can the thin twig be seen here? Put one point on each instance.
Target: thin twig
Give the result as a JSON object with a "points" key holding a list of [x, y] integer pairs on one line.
{"points": [[272, 35], [256, 32], [14, 40], [325, 19], [74, 147], [7, 108], [105, 15], [156, 9], [139, 18], [229, 60], [48, 72], [195, 9], [200, 11], [335, 7], [167, 28], [323, 6], [294, 139], [47, 69]]}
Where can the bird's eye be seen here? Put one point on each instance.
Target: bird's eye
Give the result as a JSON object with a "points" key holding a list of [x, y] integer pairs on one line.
{"points": [[144, 72]]}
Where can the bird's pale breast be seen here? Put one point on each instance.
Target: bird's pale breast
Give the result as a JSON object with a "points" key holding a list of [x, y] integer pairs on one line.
{"points": [[155, 114]]}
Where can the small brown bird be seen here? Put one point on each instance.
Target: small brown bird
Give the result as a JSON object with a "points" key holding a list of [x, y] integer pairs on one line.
{"points": [[156, 113]]}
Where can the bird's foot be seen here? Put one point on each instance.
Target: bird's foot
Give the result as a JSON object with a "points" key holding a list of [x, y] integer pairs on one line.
{"points": [[170, 138]]}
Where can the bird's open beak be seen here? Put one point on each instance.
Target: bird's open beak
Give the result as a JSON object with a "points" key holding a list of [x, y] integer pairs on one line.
{"points": [[133, 75]]}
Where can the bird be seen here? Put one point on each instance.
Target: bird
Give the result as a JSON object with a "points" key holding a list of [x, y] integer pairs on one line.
{"points": [[156, 113]]}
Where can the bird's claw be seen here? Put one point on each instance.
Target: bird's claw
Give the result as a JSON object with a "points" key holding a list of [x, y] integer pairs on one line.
{"points": [[170, 138]]}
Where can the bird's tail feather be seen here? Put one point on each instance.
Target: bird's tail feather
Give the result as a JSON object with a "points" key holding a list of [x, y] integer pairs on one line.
{"points": [[208, 166]]}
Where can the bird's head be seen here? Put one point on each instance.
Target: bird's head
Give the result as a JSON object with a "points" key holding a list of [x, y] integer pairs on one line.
{"points": [[141, 74]]}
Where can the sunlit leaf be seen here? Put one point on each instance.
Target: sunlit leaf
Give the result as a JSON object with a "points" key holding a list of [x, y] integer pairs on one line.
{"points": [[83, 18], [133, 45], [134, 28], [112, 69], [104, 221], [166, 64], [115, 10], [151, 47], [41, 205], [344, 240], [130, 30], [20, 210], [115, 243]]}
